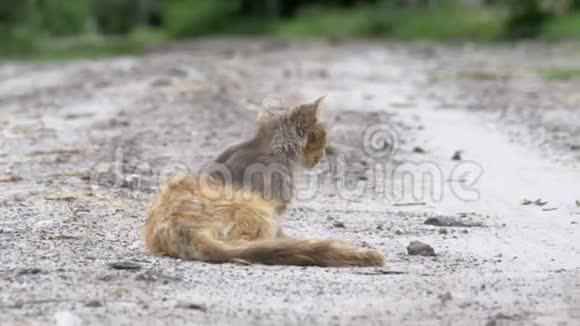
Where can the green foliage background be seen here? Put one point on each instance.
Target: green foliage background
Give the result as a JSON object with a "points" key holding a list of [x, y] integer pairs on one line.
{"points": [[85, 27]]}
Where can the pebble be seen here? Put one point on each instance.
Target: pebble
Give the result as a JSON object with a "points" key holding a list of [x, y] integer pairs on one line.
{"points": [[419, 150], [94, 304], [192, 306], [30, 271], [445, 297], [457, 156], [125, 265], [419, 248], [449, 221], [338, 224]]}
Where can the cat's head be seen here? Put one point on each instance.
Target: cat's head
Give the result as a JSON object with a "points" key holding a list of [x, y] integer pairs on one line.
{"points": [[295, 132]]}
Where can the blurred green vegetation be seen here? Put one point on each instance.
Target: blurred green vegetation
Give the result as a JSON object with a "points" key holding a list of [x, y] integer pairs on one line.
{"points": [[445, 23], [81, 28], [564, 27], [562, 73]]}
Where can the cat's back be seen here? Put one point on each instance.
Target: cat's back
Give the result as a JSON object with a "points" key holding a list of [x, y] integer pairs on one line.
{"points": [[200, 196]]}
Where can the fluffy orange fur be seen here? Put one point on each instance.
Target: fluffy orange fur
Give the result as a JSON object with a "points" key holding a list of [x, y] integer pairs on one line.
{"points": [[201, 217]]}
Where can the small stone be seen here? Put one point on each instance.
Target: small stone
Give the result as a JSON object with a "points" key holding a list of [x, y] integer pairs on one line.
{"points": [[177, 72], [491, 322], [192, 306], [445, 297], [94, 304], [540, 202], [101, 83], [125, 265], [499, 319], [443, 231], [161, 82], [457, 156], [338, 224], [419, 150], [30, 271], [419, 248], [449, 221], [380, 272]]}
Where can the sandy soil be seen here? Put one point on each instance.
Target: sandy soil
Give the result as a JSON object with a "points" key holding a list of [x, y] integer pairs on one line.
{"points": [[85, 145]]}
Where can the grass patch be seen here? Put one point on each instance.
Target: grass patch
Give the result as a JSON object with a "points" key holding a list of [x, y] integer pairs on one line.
{"points": [[317, 22], [85, 47], [85, 50], [191, 18], [449, 23], [561, 74], [478, 75], [562, 27], [446, 23]]}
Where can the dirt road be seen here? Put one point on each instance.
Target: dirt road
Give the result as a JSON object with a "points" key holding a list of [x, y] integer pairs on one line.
{"points": [[472, 136]]}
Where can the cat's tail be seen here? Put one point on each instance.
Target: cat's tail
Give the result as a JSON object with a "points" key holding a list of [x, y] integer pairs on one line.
{"points": [[178, 241], [302, 253]]}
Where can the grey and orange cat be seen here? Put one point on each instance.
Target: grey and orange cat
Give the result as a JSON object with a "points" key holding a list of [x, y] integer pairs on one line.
{"points": [[230, 211]]}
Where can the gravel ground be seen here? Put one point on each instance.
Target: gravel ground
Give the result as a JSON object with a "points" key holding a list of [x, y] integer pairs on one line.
{"points": [[85, 145]]}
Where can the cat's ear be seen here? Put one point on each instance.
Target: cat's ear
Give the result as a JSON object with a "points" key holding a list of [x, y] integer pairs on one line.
{"points": [[318, 103], [315, 106], [307, 113]]}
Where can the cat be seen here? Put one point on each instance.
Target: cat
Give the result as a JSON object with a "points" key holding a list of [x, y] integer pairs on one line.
{"points": [[230, 210]]}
